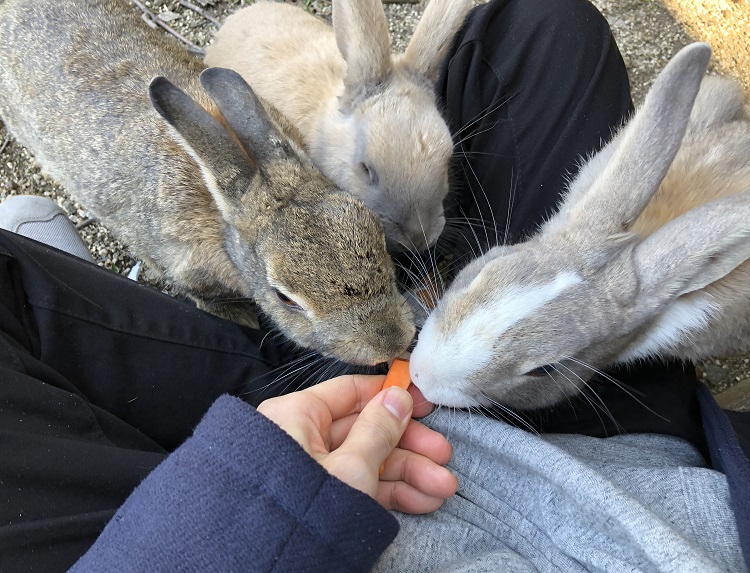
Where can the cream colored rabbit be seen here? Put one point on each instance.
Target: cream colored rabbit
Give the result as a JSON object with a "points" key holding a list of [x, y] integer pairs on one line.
{"points": [[201, 180], [367, 118], [647, 256]]}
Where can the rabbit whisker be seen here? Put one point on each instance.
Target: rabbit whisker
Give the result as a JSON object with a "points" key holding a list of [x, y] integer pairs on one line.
{"points": [[556, 383], [422, 281], [484, 114], [474, 233], [474, 134], [599, 405], [284, 369], [511, 200], [486, 198], [624, 387], [503, 411], [262, 340], [454, 232], [469, 154]]}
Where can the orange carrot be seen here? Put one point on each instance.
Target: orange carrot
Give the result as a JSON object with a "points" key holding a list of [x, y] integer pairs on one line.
{"points": [[398, 375]]}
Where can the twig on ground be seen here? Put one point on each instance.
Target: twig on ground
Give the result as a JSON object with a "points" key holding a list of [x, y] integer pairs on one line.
{"points": [[200, 11], [5, 142], [85, 223], [154, 18]]}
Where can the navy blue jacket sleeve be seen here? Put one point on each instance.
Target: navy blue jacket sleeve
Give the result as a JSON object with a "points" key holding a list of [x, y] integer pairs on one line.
{"points": [[241, 495]]}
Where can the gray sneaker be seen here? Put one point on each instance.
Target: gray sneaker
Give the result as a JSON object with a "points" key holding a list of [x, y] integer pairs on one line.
{"points": [[41, 219]]}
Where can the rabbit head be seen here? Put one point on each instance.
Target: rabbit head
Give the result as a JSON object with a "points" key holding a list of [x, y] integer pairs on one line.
{"points": [[392, 147], [529, 324], [313, 257], [368, 118]]}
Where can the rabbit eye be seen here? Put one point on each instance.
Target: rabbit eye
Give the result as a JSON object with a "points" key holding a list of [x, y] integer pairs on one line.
{"points": [[545, 370], [370, 172], [287, 301]]}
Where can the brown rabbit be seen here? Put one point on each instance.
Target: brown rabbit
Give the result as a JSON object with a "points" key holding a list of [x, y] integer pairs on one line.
{"points": [[205, 183]]}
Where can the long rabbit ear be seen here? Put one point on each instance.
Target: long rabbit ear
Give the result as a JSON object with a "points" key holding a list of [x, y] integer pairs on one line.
{"points": [[696, 249], [361, 30], [226, 170], [244, 114], [691, 252], [720, 101], [433, 35], [640, 155]]}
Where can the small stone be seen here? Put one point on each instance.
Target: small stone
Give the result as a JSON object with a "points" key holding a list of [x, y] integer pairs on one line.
{"points": [[168, 16]]}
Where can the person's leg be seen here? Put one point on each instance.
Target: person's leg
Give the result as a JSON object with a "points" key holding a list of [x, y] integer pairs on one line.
{"points": [[570, 503], [99, 378], [529, 89], [153, 361]]}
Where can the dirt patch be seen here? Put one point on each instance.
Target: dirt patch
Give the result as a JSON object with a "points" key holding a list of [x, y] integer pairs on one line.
{"points": [[725, 24]]}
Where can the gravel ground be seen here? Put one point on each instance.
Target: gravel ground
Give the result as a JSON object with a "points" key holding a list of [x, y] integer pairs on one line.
{"points": [[648, 32]]}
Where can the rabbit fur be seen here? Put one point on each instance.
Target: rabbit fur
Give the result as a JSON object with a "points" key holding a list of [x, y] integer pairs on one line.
{"points": [[368, 118], [647, 256], [201, 181]]}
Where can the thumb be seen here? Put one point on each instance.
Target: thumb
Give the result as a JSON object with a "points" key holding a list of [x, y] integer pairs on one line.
{"points": [[375, 433], [379, 427]]}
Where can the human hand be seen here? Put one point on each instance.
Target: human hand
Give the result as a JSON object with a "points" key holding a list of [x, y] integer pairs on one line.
{"points": [[352, 428]]}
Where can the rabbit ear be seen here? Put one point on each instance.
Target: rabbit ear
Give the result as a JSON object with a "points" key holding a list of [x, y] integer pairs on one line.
{"points": [[226, 169], [641, 154], [244, 114], [691, 252], [696, 249], [433, 35], [361, 30], [720, 101]]}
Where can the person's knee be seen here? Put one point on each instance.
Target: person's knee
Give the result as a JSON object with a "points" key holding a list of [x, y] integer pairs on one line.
{"points": [[559, 26], [563, 17]]}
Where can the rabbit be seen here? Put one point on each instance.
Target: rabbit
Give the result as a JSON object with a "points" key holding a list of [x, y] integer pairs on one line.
{"points": [[368, 118], [201, 180], [647, 256]]}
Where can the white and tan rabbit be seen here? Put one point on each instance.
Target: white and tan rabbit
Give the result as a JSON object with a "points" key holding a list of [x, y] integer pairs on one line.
{"points": [[200, 180], [368, 118], [647, 256]]}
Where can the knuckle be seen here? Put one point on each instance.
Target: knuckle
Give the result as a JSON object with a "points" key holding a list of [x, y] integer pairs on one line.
{"points": [[380, 433]]}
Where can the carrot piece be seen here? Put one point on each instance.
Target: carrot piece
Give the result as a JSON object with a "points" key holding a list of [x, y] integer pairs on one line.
{"points": [[398, 375]]}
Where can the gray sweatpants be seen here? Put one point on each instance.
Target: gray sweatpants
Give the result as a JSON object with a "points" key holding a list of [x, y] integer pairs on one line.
{"points": [[570, 503]]}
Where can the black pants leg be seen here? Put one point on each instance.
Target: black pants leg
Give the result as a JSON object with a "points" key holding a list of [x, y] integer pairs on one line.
{"points": [[529, 89], [99, 378]]}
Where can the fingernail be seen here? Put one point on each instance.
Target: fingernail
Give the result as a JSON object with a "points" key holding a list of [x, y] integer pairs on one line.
{"points": [[398, 401]]}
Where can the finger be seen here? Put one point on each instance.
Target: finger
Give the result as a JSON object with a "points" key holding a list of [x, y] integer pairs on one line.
{"points": [[299, 415], [419, 472], [346, 395], [418, 438], [422, 440], [378, 428], [400, 496]]}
